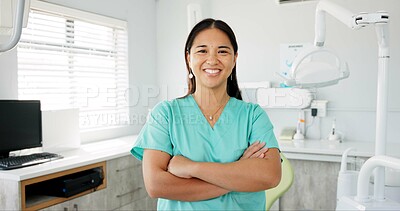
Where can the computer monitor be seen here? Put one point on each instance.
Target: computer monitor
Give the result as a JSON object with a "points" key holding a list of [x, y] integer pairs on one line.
{"points": [[20, 125]]}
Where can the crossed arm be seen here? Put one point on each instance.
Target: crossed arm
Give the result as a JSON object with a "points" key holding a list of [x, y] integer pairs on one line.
{"points": [[179, 178]]}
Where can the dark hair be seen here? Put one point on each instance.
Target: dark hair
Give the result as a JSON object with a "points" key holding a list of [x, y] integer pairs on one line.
{"points": [[232, 86]]}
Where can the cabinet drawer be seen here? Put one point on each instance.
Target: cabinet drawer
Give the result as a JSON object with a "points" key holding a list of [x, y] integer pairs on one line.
{"points": [[125, 182], [146, 203], [93, 201]]}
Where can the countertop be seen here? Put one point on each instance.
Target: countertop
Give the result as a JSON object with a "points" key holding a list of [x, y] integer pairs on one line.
{"points": [[87, 154], [322, 150]]}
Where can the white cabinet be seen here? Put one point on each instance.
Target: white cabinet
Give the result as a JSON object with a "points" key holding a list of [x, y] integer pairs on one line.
{"points": [[33, 197], [19, 195], [125, 190]]}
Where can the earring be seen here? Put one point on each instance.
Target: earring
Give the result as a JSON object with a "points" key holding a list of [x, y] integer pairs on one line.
{"points": [[231, 77], [190, 75]]}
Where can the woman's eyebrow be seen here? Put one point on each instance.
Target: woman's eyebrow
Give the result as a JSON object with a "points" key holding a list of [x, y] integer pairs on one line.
{"points": [[223, 46], [204, 46], [201, 46]]}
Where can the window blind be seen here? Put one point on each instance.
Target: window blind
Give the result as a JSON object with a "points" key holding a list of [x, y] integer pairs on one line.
{"points": [[68, 62]]}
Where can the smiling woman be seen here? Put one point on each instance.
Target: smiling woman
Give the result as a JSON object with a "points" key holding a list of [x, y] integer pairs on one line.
{"points": [[224, 31], [209, 149], [211, 60]]}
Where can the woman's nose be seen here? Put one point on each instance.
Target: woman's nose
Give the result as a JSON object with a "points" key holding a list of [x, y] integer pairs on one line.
{"points": [[212, 59]]}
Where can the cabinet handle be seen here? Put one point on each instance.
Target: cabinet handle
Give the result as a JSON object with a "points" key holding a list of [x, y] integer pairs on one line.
{"points": [[127, 168], [132, 191], [75, 207]]}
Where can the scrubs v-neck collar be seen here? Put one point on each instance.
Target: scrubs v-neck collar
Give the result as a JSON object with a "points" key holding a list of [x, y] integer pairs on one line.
{"points": [[221, 118]]}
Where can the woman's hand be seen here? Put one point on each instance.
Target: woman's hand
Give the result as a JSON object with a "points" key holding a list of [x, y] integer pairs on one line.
{"points": [[180, 166], [256, 150]]}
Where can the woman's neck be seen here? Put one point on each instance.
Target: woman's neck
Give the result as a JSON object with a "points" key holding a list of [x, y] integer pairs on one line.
{"points": [[210, 98]]}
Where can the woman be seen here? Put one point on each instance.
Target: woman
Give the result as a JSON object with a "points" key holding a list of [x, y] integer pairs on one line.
{"points": [[209, 150]]}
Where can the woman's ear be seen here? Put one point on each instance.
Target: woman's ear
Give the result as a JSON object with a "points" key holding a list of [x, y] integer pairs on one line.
{"points": [[235, 58], [188, 58]]}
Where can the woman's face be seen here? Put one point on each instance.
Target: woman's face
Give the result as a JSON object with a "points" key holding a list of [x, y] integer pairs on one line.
{"points": [[211, 58]]}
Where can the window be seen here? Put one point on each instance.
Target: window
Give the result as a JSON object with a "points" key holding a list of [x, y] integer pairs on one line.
{"points": [[73, 59]]}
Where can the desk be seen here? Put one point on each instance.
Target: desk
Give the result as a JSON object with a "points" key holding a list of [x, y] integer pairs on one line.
{"points": [[125, 188]]}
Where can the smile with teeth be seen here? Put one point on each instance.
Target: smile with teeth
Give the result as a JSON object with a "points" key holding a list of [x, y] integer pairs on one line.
{"points": [[212, 71]]}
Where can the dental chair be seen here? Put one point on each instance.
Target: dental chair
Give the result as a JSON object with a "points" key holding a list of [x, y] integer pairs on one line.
{"points": [[286, 181]]}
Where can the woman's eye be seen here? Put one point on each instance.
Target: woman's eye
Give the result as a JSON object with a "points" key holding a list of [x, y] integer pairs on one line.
{"points": [[201, 51]]}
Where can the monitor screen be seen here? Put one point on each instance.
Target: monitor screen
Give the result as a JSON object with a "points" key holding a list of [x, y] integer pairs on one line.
{"points": [[20, 125]]}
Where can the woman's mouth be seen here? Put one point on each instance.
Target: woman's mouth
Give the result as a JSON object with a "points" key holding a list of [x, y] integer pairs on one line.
{"points": [[212, 72]]}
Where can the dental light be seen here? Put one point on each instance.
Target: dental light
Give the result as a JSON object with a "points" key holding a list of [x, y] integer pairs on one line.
{"points": [[16, 23], [307, 72]]}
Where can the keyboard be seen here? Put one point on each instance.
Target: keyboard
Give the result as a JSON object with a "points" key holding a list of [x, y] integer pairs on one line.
{"points": [[27, 160]]}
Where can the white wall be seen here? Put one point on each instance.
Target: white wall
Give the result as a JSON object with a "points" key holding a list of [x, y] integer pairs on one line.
{"points": [[8, 75], [172, 32], [262, 25], [141, 17]]}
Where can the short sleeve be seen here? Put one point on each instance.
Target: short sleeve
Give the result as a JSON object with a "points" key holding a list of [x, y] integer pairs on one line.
{"points": [[262, 128], [155, 133]]}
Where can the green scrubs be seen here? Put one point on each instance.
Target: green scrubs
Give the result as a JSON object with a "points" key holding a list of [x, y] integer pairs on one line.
{"points": [[178, 127]]}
